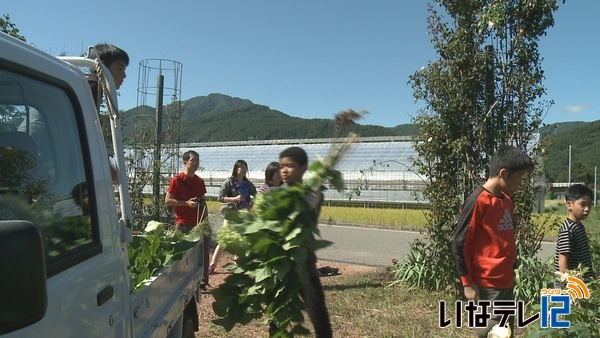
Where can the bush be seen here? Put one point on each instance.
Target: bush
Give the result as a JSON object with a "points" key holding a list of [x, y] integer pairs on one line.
{"points": [[531, 276], [426, 266]]}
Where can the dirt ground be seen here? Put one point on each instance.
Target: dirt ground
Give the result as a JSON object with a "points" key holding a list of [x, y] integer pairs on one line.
{"points": [[206, 314]]}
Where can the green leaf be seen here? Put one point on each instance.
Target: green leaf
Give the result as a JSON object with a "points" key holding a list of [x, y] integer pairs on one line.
{"points": [[262, 274], [280, 265], [316, 166], [293, 234], [289, 245], [336, 180], [255, 289], [274, 260], [262, 246], [302, 272], [258, 226], [298, 255]]}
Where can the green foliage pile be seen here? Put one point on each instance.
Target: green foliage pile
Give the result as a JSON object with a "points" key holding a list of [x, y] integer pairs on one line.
{"points": [[272, 242], [155, 250]]}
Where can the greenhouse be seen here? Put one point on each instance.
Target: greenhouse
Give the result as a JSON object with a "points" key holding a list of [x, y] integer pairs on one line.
{"points": [[379, 166]]}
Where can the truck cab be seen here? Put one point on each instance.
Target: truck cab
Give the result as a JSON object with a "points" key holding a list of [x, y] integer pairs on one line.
{"points": [[63, 238]]}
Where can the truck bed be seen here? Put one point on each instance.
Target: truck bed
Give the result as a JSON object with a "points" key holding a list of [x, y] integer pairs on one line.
{"points": [[159, 305]]}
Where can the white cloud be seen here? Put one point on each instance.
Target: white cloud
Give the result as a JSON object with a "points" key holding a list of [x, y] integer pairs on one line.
{"points": [[576, 109]]}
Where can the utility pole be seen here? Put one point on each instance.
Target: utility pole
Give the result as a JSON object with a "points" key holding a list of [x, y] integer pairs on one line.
{"points": [[569, 165]]}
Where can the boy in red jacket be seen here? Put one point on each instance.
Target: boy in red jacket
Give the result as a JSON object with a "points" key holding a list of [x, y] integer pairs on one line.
{"points": [[484, 246]]}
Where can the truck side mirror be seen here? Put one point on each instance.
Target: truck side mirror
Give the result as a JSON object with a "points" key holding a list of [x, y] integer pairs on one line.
{"points": [[23, 293]]}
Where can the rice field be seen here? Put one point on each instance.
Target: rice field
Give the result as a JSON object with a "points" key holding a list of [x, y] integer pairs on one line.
{"points": [[415, 219]]}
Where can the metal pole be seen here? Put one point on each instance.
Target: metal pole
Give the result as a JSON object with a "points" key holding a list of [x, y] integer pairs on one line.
{"points": [[569, 165], [156, 179], [595, 183]]}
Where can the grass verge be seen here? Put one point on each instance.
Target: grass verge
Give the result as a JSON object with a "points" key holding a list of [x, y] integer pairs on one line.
{"points": [[363, 306]]}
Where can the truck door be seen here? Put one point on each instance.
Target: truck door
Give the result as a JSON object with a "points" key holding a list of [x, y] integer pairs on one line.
{"points": [[54, 173]]}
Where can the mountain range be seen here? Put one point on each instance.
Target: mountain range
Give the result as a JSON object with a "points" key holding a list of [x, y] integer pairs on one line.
{"points": [[219, 117]]}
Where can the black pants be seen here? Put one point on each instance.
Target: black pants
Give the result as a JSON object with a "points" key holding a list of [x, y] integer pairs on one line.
{"points": [[314, 298], [492, 294]]}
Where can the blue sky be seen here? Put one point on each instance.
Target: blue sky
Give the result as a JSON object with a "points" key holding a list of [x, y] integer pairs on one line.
{"points": [[308, 59]]}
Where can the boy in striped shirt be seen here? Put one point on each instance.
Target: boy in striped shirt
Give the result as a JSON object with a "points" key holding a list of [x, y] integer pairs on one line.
{"points": [[572, 246]]}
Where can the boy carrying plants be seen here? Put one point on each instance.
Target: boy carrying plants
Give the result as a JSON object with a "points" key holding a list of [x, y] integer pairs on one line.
{"points": [[294, 163], [484, 246], [275, 275]]}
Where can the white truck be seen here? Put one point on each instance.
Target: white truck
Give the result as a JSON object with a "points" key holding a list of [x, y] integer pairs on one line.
{"points": [[63, 237]]}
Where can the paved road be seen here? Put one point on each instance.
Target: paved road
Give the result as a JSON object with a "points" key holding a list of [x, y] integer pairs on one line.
{"points": [[376, 247]]}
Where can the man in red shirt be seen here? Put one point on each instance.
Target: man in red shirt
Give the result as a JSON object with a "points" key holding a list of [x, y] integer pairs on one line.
{"points": [[186, 196]]}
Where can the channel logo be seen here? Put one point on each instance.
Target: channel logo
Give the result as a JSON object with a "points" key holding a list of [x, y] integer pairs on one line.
{"points": [[557, 302], [577, 288]]}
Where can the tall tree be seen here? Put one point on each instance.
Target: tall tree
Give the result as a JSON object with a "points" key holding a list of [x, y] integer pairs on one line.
{"points": [[10, 28], [484, 91]]}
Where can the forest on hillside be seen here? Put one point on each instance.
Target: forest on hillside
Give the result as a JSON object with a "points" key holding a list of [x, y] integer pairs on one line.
{"points": [[219, 117], [584, 141]]}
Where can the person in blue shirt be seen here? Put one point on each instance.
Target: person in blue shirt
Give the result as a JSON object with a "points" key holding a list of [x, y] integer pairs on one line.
{"points": [[236, 193]]}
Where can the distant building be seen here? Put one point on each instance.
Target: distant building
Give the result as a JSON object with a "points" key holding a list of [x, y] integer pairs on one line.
{"points": [[558, 189]]}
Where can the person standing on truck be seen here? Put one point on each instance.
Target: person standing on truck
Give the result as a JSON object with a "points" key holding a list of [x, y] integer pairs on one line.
{"points": [[116, 60], [186, 196]]}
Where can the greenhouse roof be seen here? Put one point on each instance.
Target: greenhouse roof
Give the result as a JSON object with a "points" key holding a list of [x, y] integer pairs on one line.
{"points": [[380, 153]]}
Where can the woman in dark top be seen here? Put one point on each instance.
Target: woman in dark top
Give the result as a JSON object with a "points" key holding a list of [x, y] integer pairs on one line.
{"points": [[236, 193]]}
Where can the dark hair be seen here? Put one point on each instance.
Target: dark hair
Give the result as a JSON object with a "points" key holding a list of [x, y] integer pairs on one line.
{"points": [[297, 154], [186, 155], [110, 53], [272, 168], [238, 164], [510, 158], [577, 191], [78, 190]]}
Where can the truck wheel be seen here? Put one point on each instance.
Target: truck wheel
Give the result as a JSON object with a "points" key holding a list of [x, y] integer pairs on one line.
{"points": [[188, 330]]}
